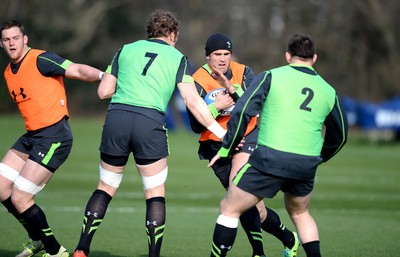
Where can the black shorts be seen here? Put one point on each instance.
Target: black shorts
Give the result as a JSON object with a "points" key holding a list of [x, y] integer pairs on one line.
{"points": [[222, 167], [126, 132], [265, 185], [48, 146]]}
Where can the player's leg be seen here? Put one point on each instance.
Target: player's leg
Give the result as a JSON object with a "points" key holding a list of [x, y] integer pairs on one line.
{"points": [[272, 224], [97, 205], [150, 149], [48, 149], [232, 206], [154, 175], [114, 154], [32, 178], [10, 167], [297, 207], [250, 219]]}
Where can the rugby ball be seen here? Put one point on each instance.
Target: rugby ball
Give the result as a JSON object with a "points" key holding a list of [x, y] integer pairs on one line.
{"points": [[210, 98]]}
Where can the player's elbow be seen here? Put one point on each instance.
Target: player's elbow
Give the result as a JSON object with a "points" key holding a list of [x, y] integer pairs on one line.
{"points": [[107, 87], [102, 94]]}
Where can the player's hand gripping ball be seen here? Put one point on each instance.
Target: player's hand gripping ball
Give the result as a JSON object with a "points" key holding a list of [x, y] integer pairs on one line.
{"points": [[210, 98]]}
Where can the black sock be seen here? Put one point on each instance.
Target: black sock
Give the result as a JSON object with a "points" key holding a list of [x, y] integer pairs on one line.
{"points": [[312, 249], [36, 220], [11, 209], [95, 211], [273, 225], [155, 224], [223, 240], [251, 224]]}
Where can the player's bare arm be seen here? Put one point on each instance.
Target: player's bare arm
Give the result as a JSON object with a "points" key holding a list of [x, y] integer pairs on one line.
{"points": [[107, 86], [83, 72]]}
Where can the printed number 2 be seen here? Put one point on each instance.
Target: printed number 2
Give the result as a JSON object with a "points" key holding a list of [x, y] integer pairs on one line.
{"points": [[310, 95], [152, 56]]}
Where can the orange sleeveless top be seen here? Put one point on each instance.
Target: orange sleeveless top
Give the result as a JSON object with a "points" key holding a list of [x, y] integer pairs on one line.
{"points": [[208, 83], [41, 100]]}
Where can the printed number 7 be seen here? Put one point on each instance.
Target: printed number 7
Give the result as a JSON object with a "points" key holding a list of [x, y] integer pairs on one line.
{"points": [[310, 95], [152, 56]]}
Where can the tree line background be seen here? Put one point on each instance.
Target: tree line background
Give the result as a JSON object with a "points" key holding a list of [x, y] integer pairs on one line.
{"points": [[357, 41]]}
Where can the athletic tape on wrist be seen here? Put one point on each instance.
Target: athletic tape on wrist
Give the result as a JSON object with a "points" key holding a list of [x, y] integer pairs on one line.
{"points": [[217, 130]]}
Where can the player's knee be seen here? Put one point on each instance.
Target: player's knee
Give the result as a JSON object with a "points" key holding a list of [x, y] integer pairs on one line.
{"points": [[262, 211], [150, 182], [110, 178]]}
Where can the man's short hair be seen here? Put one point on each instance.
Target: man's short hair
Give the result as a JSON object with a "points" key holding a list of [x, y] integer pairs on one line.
{"points": [[301, 45], [12, 23]]}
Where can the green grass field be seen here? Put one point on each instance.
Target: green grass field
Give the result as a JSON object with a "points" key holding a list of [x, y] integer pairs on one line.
{"points": [[356, 201]]}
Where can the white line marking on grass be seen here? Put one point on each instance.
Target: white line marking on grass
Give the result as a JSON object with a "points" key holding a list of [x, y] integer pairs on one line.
{"points": [[74, 209], [135, 210]]}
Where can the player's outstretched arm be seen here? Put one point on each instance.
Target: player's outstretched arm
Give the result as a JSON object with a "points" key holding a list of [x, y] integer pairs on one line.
{"points": [[83, 72]]}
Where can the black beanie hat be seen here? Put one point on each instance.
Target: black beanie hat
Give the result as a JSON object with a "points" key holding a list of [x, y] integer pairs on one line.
{"points": [[218, 42]]}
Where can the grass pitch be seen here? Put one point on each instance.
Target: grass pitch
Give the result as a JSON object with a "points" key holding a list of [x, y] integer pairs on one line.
{"points": [[356, 201]]}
